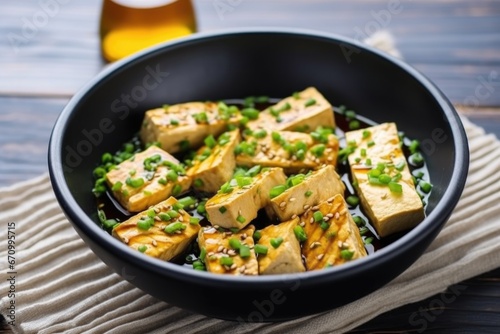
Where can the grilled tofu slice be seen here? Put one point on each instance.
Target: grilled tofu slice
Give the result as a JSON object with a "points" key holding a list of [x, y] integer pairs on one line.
{"points": [[302, 191], [332, 236], [295, 152], [147, 178], [182, 126], [392, 207], [283, 249], [304, 112], [215, 162], [163, 231], [228, 252], [238, 201]]}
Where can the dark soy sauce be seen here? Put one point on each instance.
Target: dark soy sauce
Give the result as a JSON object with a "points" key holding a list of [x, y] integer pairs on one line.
{"points": [[113, 209]]}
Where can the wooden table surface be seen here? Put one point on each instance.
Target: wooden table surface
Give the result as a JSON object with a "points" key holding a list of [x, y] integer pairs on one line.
{"points": [[45, 59]]}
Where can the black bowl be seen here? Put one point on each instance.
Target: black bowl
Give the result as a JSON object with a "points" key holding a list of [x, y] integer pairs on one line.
{"points": [[235, 64]]}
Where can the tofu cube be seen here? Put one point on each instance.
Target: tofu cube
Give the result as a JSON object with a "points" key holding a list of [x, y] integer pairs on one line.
{"points": [[332, 236], [303, 191], [227, 252], [153, 234], [147, 178], [214, 166], [283, 250], [182, 126], [304, 112], [238, 201], [295, 152], [392, 207]]}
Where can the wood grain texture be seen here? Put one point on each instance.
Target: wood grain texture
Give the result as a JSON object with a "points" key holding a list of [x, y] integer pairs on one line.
{"points": [[453, 42]]}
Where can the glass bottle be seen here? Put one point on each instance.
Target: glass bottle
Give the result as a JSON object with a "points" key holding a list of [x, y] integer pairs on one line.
{"points": [[128, 26]]}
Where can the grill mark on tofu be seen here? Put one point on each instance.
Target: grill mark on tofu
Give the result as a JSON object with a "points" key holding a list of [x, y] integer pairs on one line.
{"points": [[137, 188], [388, 211], [331, 241], [316, 187], [182, 122], [273, 152], [239, 207], [286, 257], [155, 241], [216, 243], [216, 168], [297, 113]]}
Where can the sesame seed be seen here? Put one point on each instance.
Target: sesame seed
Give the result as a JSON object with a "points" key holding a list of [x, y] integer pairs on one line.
{"points": [[292, 199], [329, 215], [326, 218], [181, 219], [307, 206], [340, 243], [220, 249], [302, 224], [294, 216], [225, 251], [242, 269], [315, 208], [330, 159], [231, 252], [178, 232], [282, 204], [157, 210], [314, 244], [158, 219], [209, 254], [125, 240], [311, 220], [243, 236], [337, 215], [330, 200], [154, 243], [216, 226], [320, 256], [233, 266]]}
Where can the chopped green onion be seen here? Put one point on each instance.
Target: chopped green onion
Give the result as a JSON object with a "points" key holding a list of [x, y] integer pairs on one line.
{"points": [[172, 175], [187, 201], [359, 221], [308, 193], [176, 190], [260, 249], [352, 200], [240, 219], [250, 113], [318, 216], [245, 251], [174, 227], [234, 243], [226, 261], [252, 172], [210, 141], [276, 242], [145, 224], [384, 178], [354, 124], [300, 234], [366, 134], [425, 186], [117, 186], [395, 187], [135, 183], [414, 146], [318, 150], [142, 248], [198, 183], [346, 254], [400, 165], [222, 209], [371, 143], [416, 159], [277, 190], [310, 102], [201, 117], [324, 225], [165, 217], [226, 188], [194, 220], [257, 235]]}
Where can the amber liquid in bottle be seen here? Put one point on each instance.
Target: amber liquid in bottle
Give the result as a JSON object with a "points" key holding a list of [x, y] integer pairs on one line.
{"points": [[128, 26]]}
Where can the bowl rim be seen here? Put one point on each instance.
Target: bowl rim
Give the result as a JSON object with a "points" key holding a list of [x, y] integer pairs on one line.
{"points": [[80, 219]]}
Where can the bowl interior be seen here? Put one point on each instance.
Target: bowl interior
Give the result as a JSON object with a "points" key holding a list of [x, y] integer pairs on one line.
{"points": [[109, 111]]}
